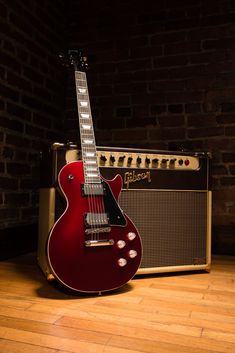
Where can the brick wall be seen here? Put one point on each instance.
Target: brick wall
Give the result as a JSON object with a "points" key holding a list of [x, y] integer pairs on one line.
{"points": [[31, 104], [162, 75]]}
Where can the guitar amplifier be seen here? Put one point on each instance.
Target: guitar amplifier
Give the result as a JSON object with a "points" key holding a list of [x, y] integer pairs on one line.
{"points": [[167, 195]]}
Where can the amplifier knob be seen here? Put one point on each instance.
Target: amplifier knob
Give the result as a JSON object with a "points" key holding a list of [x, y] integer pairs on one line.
{"points": [[172, 161], [147, 161], [121, 159], [132, 254], [155, 162], [122, 262], [138, 160], [129, 160], [186, 162], [103, 158], [112, 159], [164, 161]]}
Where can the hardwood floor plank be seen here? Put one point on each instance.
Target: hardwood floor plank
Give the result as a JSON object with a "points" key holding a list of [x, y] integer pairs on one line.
{"points": [[162, 313], [219, 335], [58, 343], [185, 343], [14, 303], [7, 346], [28, 315], [53, 330]]}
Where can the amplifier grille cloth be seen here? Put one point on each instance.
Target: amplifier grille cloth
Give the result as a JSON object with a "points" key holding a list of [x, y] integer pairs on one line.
{"points": [[172, 225]]}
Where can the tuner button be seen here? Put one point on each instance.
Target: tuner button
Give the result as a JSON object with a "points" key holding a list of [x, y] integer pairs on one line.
{"points": [[122, 262], [131, 235], [121, 244], [132, 254]]}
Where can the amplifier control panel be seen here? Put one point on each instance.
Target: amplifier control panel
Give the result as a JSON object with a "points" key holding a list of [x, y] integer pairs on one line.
{"points": [[124, 158], [153, 169], [128, 159]]}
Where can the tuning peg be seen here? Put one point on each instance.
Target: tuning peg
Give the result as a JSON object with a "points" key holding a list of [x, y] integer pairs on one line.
{"points": [[63, 58]]}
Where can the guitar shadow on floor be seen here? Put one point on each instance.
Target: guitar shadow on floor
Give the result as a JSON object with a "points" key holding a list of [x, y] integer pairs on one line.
{"points": [[31, 281]]}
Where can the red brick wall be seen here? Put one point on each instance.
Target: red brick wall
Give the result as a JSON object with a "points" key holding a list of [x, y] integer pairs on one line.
{"points": [[162, 75], [32, 89]]}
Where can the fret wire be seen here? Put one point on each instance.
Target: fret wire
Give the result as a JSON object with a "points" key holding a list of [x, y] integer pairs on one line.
{"points": [[91, 169]]}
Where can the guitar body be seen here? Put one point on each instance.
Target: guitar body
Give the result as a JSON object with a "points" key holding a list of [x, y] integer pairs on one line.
{"points": [[92, 259]]}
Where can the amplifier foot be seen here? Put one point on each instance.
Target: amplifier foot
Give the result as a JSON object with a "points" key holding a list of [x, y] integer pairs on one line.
{"points": [[50, 277]]}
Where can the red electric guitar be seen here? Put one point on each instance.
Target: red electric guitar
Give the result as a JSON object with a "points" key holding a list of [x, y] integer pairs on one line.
{"points": [[93, 246]]}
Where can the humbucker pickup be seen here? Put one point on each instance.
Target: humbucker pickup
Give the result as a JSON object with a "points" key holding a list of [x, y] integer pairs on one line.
{"points": [[96, 220], [93, 189]]}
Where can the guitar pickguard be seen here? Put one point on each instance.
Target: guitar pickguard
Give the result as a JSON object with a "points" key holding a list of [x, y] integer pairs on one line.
{"points": [[114, 213], [116, 217]]}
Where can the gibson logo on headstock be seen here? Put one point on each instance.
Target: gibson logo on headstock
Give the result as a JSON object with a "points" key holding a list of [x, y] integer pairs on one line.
{"points": [[133, 177]]}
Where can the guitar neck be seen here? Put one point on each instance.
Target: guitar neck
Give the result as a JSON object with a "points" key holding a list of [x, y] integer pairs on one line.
{"points": [[88, 145]]}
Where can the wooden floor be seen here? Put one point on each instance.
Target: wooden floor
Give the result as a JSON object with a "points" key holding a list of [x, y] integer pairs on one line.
{"points": [[187, 312]]}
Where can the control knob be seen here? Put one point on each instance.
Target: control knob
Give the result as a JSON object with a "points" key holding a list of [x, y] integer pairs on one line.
{"points": [[122, 262], [129, 160], [112, 159], [147, 161], [121, 159], [121, 244], [164, 161], [155, 160], [103, 158], [131, 235], [138, 160], [132, 254]]}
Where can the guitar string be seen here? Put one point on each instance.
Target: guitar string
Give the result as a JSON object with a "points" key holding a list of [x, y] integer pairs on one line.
{"points": [[87, 188], [96, 210], [79, 85], [95, 202]]}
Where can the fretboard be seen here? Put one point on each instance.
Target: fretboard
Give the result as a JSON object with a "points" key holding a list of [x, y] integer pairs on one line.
{"points": [[88, 145]]}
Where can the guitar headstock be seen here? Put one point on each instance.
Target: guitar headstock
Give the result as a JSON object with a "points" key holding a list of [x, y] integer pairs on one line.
{"points": [[75, 58]]}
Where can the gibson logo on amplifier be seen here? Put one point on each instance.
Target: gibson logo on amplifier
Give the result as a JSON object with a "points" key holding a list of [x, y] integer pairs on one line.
{"points": [[133, 177]]}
